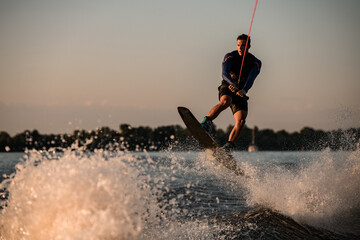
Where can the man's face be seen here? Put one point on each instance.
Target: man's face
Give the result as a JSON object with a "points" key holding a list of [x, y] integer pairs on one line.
{"points": [[241, 46]]}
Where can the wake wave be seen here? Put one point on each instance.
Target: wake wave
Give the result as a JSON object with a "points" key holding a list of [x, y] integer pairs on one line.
{"points": [[101, 195], [122, 195], [324, 193], [82, 197]]}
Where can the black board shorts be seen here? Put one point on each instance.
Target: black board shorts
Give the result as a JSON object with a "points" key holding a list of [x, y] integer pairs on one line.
{"points": [[238, 103]]}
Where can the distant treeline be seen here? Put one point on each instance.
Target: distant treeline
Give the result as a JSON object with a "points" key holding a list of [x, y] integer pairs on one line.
{"points": [[177, 138]]}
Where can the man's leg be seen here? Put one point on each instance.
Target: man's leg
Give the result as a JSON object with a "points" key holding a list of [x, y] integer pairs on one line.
{"points": [[225, 102], [239, 117]]}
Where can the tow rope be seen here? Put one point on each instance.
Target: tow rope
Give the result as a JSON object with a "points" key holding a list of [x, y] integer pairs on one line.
{"points": [[247, 40]]}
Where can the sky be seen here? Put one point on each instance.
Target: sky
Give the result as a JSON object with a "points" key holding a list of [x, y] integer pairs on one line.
{"points": [[84, 64]]}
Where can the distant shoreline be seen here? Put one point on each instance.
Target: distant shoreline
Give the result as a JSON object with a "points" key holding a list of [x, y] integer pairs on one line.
{"points": [[177, 138]]}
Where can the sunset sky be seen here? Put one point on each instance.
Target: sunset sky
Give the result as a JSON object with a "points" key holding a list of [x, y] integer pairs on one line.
{"points": [[83, 64]]}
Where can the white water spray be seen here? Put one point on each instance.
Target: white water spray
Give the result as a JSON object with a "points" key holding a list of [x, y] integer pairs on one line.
{"points": [[325, 193]]}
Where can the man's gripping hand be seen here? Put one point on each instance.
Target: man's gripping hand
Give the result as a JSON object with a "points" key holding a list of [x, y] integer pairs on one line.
{"points": [[233, 88], [241, 93], [238, 92]]}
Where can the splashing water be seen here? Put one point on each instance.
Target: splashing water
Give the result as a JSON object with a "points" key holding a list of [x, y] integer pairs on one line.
{"points": [[323, 193], [169, 195], [77, 196], [101, 195]]}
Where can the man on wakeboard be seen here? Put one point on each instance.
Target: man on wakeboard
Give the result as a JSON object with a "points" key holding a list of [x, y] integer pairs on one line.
{"points": [[232, 91]]}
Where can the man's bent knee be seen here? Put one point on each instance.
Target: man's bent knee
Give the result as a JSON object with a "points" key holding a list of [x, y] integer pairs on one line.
{"points": [[240, 123], [240, 118], [225, 101]]}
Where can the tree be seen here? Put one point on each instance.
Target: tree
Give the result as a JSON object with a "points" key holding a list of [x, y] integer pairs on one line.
{"points": [[5, 141]]}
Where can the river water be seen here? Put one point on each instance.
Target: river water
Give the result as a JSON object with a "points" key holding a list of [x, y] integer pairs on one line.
{"points": [[179, 195]]}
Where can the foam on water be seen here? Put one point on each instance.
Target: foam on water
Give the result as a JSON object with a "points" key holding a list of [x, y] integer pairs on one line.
{"points": [[324, 193], [120, 195], [77, 196], [92, 196]]}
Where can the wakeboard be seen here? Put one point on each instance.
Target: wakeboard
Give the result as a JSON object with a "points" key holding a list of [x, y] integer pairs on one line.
{"points": [[207, 142]]}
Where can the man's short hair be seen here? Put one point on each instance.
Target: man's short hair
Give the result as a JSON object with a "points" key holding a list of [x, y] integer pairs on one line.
{"points": [[243, 37]]}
